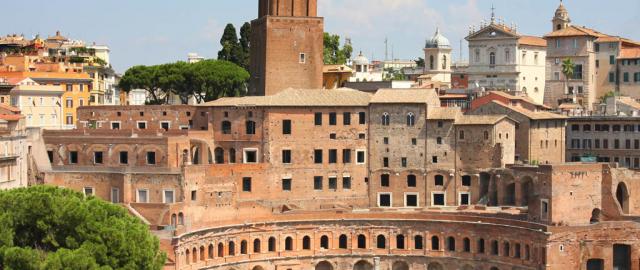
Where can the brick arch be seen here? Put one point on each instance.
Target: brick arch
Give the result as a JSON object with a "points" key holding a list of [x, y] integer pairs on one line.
{"points": [[161, 155], [115, 153]]}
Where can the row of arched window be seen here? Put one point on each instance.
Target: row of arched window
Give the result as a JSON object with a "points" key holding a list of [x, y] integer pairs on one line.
{"points": [[386, 119], [450, 245]]}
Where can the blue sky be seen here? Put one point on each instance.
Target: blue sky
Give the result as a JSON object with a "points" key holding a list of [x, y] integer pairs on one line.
{"points": [[159, 31]]}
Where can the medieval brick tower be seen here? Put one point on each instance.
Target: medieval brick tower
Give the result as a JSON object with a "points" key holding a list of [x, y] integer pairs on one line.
{"points": [[286, 47]]}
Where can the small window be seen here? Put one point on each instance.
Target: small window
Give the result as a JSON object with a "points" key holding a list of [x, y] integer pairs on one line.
{"points": [[346, 156], [385, 140], [165, 125], [333, 183], [143, 196], [362, 118], [384, 200], [151, 158], [286, 184], [250, 156], [303, 58], [73, 157], [250, 127], [346, 118], [466, 180], [115, 125], [194, 195], [97, 157], [346, 182], [464, 199], [168, 197], [142, 125], [437, 199], [461, 135], [333, 119], [317, 156], [440, 124], [286, 127], [286, 156], [318, 119], [124, 157], [385, 162], [246, 184], [360, 157], [414, 141], [411, 200], [88, 191], [317, 182], [384, 180], [333, 156], [411, 180], [403, 162]]}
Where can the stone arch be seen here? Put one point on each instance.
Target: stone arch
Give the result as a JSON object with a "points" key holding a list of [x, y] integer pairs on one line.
{"points": [[256, 245], [220, 250], [142, 152], [400, 265], [362, 241], [400, 241], [187, 256], [219, 155], [596, 216], [180, 218], [243, 247], [271, 244], [509, 196], [232, 248], [210, 252], [194, 255], [306, 242], [622, 197], [435, 266], [451, 243], [288, 243], [485, 184], [202, 256], [363, 265], [435, 243], [257, 267], [527, 190], [324, 265]]}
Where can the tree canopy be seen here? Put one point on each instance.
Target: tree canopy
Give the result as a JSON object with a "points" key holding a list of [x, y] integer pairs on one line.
{"points": [[233, 49], [205, 81], [333, 54], [52, 228]]}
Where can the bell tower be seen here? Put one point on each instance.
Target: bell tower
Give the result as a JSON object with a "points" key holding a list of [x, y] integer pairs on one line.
{"points": [[286, 47], [561, 19]]}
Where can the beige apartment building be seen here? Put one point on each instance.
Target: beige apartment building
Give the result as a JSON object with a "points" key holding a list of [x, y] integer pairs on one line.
{"points": [[40, 104]]}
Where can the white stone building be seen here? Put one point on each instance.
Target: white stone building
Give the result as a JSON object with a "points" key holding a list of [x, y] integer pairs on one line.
{"points": [[503, 59]]}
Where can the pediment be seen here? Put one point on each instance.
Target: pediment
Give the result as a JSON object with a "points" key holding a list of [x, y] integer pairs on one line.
{"points": [[493, 31]]}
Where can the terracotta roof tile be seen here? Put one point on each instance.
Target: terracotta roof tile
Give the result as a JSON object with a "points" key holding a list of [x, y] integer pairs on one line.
{"points": [[532, 41], [534, 115], [573, 31], [396, 96], [480, 119], [629, 53], [443, 113]]}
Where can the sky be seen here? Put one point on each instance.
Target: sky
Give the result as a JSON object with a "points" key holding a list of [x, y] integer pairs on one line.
{"points": [[147, 32]]}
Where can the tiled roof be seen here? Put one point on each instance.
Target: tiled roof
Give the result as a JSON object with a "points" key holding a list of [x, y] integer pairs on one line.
{"points": [[9, 108], [630, 53], [10, 117], [443, 113], [512, 97], [618, 39], [534, 115], [336, 69], [629, 102], [573, 31], [410, 96], [298, 97], [480, 119], [532, 41]]}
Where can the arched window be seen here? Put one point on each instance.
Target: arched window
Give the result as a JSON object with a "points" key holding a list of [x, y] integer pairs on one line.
{"points": [[226, 127], [411, 119], [324, 242], [232, 248], [362, 241], [187, 256], [467, 244], [202, 253], [271, 244], [418, 242], [174, 220], [506, 249], [439, 180], [306, 242], [381, 242], [622, 196], [210, 252], [220, 250], [432, 63], [243, 247], [180, 218], [219, 155], [435, 243], [342, 242], [250, 127], [288, 243], [444, 62], [494, 247], [400, 241], [527, 252], [524, 89], [194, 255], [232, 155], [516, 251], [481, 246], [492, 58], [256, 245], [385, 119], [451, 243]]}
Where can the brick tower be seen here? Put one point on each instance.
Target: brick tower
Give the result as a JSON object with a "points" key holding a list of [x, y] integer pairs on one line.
{"points": [[286, 47]]}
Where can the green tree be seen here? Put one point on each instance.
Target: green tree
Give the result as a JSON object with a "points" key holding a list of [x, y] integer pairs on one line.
{"points": [[215, 79], [245, 44], [420, 62], [333, 54], [46, 227], [568, 68], [231, 50], [143, 77]]}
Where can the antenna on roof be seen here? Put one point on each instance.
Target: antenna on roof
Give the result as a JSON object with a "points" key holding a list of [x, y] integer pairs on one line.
{"points": [[493, 14]]}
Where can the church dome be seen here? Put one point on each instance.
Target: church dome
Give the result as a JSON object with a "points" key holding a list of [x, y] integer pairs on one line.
{"points": [[562, 12], [438, 41], [361, 60]]}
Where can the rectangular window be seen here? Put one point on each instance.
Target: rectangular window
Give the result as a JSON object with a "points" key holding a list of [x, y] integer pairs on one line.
{"points": [[385, 162], [612, 77], [465, 198], [317, 156], [597, 63], [115, 195], [404, 162], [346, 156], [250, 156], [286, 127], [346, 182], [69, 103], [50, 156], [333, 119], [612, 59], [577, 72], [303, 58], [346, 118], [142, 125], [437, 199], [151, 158], [385, 140], [194, 195], [124, 157], [360, 157], [318, 119], [286, 184], [333, 156], [286, 156], [165, 125], [168, 197], [69, 87], [88, 191], [115, 125], [362, 118], [544, 209], [434, 159], [384, 180], [73, 157], [97, 157], [384, 200], [558, 43], [625, 77], [317, 182], [556, 76], [142, 196], [411, 200], [333, 183], [246, 184]]}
